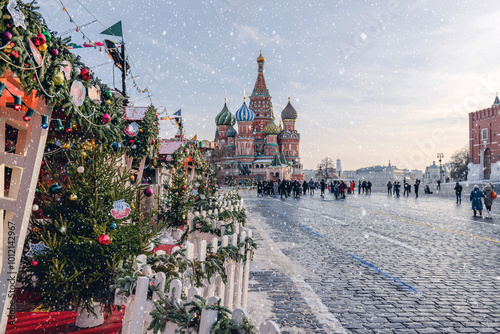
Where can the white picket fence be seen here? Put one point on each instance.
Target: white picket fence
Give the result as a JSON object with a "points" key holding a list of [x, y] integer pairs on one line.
{"points": [[233, 294]]}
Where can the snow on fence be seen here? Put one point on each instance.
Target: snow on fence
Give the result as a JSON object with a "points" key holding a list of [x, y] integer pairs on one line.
{"points": [[233, 294]]}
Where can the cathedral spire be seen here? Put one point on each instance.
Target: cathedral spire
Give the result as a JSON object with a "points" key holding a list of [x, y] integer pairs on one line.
{"points": [[260, 87]]}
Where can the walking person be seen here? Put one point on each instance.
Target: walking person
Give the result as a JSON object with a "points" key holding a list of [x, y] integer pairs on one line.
{"points": [[304, 187], [389, 188], [323, 186], [283, 189], [275, 188], [415, 186], [405, 189], [311, 187], [260, 189], [458, 192], [489, 196], [439, 184], [475, 198], [359, 187]]}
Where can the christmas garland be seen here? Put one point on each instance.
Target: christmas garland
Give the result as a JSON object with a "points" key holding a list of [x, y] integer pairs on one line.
{"points": [[42, 63]]}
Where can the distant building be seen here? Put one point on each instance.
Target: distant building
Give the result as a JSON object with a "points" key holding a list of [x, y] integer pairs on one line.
{"points": [[431, 174], [260, 149], [484, 149], [377, 175]]}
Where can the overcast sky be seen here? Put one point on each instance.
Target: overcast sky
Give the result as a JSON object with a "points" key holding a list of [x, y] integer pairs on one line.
{"points": [[371, 81]]}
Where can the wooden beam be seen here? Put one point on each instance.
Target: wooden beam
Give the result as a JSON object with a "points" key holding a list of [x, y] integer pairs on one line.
{"points": [[11, 159]]}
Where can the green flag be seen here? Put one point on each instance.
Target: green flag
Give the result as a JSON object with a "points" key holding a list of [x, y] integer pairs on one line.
{"points": [[114, 30]]}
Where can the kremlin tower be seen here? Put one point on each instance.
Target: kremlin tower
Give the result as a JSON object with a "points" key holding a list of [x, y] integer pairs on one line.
{"points": [[260, 149]]}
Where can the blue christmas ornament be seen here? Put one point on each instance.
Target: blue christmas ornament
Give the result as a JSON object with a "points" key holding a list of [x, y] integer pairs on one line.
{"points": [[114, 146], [112, 226], [55, 189]]}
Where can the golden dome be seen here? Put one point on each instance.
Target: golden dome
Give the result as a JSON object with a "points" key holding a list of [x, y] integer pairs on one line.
{"points": [[261, 58]]}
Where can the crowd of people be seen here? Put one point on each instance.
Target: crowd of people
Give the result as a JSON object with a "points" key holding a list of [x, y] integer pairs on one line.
{"points": [[287, 188], [477, 197]]}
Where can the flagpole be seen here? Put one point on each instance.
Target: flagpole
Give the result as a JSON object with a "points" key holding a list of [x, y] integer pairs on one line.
{"points": [[124, 75]]}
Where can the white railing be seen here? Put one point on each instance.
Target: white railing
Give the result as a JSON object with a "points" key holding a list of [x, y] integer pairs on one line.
{"points": [[233, 294]]}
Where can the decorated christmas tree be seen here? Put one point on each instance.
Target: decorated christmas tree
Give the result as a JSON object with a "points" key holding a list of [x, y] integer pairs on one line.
{"points": [[92, 222]]}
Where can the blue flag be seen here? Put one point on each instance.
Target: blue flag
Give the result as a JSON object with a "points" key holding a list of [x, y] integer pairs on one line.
{"points": [[177, 113]]}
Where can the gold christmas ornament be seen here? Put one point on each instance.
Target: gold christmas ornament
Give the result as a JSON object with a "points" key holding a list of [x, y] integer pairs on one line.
{"points": [[43, 47], [73, 197], [132, 178]]}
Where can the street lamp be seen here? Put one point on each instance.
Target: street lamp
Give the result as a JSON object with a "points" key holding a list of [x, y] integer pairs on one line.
{"points": [[440, 156]]}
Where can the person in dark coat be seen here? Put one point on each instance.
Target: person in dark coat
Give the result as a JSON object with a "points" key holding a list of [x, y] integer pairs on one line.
{"points": [[304, 187], [260, 189], [458, 192], [415, 186], [359, 187], [477, 203], [311, 187], [488, 198], [389, 188], [323, 187], [283, 190]]}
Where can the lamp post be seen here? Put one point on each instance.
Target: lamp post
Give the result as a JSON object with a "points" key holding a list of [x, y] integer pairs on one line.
{"points": [[440, 156]]}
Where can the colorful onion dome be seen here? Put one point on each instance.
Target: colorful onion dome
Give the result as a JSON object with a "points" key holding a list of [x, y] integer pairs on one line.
{"points": [[231, 132], [261, 58], [271, 128], [225, 117], [289, 111], [244, 114]]}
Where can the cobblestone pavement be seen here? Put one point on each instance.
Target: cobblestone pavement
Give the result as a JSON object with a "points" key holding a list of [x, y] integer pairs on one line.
{"points": [[386, 265]]}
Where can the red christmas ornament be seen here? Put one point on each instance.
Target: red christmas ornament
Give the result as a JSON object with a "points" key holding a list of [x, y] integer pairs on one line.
{"points": [[104, 239], [85, 74], [7, 36], [40, 39], [131, 141], [183, 187], [106, 118], [34, 263], [55, 52]]}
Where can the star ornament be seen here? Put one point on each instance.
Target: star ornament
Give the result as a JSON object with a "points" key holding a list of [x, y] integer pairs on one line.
{"points": [[36, 249]]}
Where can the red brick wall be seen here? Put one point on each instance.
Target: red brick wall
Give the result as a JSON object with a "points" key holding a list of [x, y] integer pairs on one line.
{"points": [[484, 119]]}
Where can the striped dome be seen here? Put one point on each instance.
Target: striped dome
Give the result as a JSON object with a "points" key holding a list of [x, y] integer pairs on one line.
{"points": [[271, 128], [231, 132], [225, 117], [244, 114], [289, 112]]}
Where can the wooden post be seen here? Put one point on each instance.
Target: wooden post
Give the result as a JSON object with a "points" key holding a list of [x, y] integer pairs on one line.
{"points": [[246, 276], [16, 205], [230, 278]]}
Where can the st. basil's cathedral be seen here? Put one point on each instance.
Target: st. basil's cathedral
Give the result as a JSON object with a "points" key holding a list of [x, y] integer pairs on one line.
{"points": [[260, 149]]}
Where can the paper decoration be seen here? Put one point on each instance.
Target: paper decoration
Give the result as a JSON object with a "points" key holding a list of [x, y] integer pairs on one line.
{"points": [[95, 94], [36, 54], [17, 15], [35, 249], [66, 69], [120, 209], [77, 93], [132, 129], [135, 113]]}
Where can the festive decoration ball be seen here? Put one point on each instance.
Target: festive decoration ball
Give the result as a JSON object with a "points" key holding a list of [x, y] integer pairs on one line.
{"points": [[84, 154], [106, 118], [43, 163], [46, 33], [54, 52], [132, 178], [112, 226], [104, 239], [108, 101], [148, 192], [55, 189], [141, 131], [80, 169], [7, 49], [73, 197], [74, 126], [85, 74], [58, 78], [134, 147], [7, 36], [43, 47], [153, 141], [183, 187], [108, 93], [35, 207], [34, 229], [34, 263]]}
